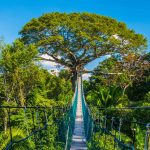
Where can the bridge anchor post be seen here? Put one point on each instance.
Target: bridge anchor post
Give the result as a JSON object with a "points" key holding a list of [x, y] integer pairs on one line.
{"points": [[147, 137]]}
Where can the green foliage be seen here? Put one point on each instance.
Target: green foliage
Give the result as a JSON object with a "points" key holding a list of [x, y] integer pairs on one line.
{"points": [[24, 123], [101, 141], [64, 74], [27, 83], [105, 96], [18, 134], [147, 97], [75, 39], [119, 81], [72, 40], [17, 63], [24, 83]]}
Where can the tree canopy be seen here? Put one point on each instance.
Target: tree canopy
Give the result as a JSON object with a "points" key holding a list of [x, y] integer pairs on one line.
{"points": [[75, 39], [24, 82], [46, 111]]}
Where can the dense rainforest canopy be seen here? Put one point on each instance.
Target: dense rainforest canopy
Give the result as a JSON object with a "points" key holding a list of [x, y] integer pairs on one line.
{"points": [[71, 40], [108, 93]]}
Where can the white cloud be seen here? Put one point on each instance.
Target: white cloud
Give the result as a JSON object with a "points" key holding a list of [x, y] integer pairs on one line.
{"points": [[49, 65], [86, 76], [53, 66]]}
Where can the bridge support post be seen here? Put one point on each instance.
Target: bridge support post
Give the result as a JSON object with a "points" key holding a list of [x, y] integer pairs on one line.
{"points": [[147, 137], [33, 121], [10, 129]]}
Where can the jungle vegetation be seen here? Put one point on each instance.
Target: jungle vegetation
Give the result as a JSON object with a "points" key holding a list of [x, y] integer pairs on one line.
{"points": [[71, 40]]}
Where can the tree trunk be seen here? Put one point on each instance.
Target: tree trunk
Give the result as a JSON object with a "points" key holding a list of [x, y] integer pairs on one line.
{"points": [[5, 121], [74, 79]]}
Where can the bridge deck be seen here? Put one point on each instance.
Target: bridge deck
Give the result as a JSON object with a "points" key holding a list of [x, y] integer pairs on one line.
{"points": [[78, 140]]}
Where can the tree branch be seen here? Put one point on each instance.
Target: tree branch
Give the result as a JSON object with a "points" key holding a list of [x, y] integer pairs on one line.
{"points": [[45, 59], [102, 73]]}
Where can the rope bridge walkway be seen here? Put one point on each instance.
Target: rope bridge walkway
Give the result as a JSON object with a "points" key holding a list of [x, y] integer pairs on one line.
{"points": [[77, 127], [78, 139]]}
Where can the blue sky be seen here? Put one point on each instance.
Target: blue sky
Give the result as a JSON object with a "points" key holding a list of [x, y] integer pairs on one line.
{"points": [[14, 14]]}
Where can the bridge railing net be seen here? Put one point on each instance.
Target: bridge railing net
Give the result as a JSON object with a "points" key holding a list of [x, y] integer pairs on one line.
{"points": [[71, 120], [87, 117], [116, 128], [121, 128], [37, 127], [31, 127]]}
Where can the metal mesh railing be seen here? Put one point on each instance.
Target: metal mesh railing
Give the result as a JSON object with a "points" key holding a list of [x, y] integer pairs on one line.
{"points": [[122, 128], [87, 117], [71, 120], [32, 127], [52, 127], [37, 127], [116, 128]]}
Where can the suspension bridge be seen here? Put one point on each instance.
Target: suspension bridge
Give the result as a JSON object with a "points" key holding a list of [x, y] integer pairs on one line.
{"points": [[77, 126]]}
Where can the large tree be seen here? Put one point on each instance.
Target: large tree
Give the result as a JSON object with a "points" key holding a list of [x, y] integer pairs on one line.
{"points": [[19, 73], [75, 39]]}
